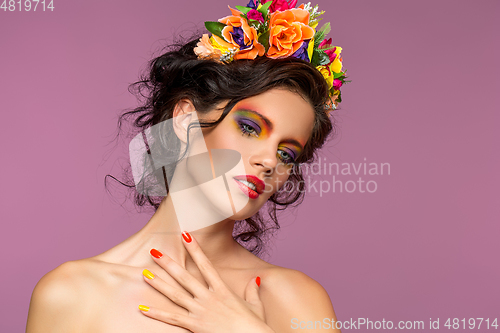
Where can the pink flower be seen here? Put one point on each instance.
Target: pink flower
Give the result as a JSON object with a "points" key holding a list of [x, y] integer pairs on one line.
{"points": [[331, 53], [337, 84], [280, 5], [255, 15]]}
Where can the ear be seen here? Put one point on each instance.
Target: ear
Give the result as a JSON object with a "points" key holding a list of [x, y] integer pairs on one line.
{"points": [[182, 116]]}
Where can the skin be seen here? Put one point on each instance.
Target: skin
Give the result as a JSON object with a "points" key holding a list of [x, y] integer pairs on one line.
{"points": [[102, 293]]}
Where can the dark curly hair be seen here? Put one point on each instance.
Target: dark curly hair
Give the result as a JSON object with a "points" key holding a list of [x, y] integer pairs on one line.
{"points": [[178, 74]]}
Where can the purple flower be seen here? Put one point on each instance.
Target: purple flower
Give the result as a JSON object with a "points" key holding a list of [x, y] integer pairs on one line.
{"points": [[239, 38], [337, 84], [301, 52], [253, 4], [255, 15]]}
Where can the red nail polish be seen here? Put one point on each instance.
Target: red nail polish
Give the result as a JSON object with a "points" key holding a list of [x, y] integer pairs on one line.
{"points": [[186, 236], [155, 253], [257, 280]]}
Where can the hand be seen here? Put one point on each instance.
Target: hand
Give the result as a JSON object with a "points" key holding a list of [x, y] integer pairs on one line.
{"points": [[213, 309]]}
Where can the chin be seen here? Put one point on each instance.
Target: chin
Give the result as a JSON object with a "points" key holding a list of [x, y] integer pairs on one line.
{"points": [[249, 210]]}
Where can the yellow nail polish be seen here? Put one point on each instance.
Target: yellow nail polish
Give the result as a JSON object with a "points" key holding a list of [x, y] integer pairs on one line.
{"points": [[143, 308], [148, 274]]}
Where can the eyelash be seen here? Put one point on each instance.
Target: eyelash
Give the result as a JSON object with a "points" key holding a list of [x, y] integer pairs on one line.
{"points": [[246, 132], [252, 132], [289, 160]]}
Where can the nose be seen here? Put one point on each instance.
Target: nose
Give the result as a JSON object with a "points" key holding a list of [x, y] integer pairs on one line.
{"points": [[265, 160]]}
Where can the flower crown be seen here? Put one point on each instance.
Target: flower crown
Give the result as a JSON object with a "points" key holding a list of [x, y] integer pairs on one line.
{"points": [[275, 29]]}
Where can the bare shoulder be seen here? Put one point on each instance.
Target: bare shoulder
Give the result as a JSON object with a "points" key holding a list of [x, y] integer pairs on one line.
{"points": [[58, 296], [294, 287], [292, 297]]}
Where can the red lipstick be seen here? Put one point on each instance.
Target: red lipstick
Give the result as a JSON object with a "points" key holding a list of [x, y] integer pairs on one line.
{"points": [[250, 185]]}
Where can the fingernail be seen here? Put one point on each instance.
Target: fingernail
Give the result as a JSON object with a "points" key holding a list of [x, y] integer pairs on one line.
{"points": [[148, 274], [257, 280], [186, 236], [143, 308], [155, 253]]}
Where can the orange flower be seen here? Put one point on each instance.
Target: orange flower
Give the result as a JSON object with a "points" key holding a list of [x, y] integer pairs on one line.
{"points": [[238, 33], [204, 49], [288, 30]]}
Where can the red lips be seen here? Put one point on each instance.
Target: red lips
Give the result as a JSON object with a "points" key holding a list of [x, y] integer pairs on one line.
{"points": [[259, 184]]}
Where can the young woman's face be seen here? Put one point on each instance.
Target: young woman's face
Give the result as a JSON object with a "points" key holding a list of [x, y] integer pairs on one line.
{"points": [[270, 132]]}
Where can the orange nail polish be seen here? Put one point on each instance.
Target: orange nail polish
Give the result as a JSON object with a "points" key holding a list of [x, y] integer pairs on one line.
{"points": [[155, 253], [186, 236], [257, 280]]}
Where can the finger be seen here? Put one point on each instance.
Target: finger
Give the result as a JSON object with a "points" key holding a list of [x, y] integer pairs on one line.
{"points": [[171, 318], [182, 276], [205, 266], [252, 291], [253, 298], [176, 295]]}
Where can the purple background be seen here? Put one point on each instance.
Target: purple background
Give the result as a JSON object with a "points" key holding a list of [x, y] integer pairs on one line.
{"points": [[422, 98]]}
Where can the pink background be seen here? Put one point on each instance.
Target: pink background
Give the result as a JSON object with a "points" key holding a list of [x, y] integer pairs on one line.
{"points": [[423, 98]]}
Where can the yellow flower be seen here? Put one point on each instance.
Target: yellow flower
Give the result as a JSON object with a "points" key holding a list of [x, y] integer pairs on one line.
{"points": [[327, 74], [310, 49], [336, 65], [217, 45]]}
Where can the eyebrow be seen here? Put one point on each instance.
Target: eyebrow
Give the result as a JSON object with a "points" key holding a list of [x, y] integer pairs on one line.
{"points": [[295, 143], [270, 125], [261, 116]]}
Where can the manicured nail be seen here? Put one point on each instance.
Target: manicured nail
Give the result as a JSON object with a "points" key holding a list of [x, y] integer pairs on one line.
{"points": [[143, 308], [257, 280], [187, 236], [148, 274], [155, 253]]}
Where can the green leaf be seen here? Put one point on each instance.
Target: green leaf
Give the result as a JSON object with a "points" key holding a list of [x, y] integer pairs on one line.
{"points": [[327, 47], [321, 34], [244, 10], [326, 28], [264, 9], [323, 58], [264, 39], [315, 59], [318, 38], [337, 75], [215, 28]]}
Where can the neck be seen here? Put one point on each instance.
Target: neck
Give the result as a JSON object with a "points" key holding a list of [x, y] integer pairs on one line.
{"points": [[162, 232]]}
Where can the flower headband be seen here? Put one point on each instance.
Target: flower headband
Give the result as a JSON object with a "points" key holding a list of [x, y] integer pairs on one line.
{"points": [[275, 29]]}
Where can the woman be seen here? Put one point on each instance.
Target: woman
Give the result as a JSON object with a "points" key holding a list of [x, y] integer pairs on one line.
{"points": [[240, 117]]}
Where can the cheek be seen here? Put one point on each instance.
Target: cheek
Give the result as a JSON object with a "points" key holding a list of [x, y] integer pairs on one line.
{"points": [[222, 137], [279, 180]]}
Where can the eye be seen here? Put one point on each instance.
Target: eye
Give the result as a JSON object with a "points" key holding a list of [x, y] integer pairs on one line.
{"points": [[247, 130], [286, 157]]}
